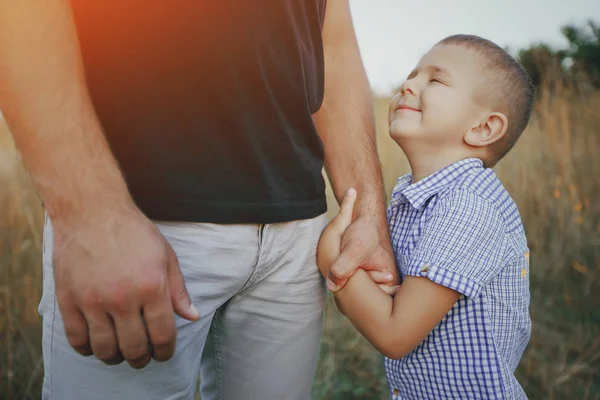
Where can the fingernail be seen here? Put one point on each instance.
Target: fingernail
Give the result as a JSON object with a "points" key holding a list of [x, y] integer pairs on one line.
{"points": [[194, 310], [351, 192], [331, 286], [389, 276]]}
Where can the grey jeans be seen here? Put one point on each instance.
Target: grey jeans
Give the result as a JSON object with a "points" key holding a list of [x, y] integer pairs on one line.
{"points": [[261, 298]]}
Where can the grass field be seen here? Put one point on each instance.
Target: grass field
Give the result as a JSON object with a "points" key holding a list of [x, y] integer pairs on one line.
{"points": [[554, 176]]}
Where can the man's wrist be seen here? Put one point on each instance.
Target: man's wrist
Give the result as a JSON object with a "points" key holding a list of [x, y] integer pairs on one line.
{"points": [[377, 216], [78, 202]]}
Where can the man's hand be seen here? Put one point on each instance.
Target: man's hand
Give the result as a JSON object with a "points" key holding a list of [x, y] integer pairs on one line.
{"points": [[117, 280], [361, 247], [117, 283]]}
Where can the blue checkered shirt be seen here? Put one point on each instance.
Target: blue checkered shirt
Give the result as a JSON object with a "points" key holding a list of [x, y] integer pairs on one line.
{"points": [[460, 228]]}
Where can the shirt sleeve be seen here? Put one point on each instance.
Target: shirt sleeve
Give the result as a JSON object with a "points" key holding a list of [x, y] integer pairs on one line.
{"points": [[463, 244]]}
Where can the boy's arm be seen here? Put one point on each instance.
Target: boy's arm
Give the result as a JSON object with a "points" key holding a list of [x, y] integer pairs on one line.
{"points": [[395, 326], [460, 251]]}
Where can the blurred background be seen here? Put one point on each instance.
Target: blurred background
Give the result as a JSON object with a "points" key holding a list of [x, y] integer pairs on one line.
{"points": [[553, 174]]}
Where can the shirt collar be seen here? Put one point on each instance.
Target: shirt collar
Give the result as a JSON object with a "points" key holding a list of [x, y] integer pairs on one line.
{"points": [[418, 193]]}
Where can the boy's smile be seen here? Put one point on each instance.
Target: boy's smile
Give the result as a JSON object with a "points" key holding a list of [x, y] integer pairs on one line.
{"points": [[437, 100], [437, 105], [406, 107]]}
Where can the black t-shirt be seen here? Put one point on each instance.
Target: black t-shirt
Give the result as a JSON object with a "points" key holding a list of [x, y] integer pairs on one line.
{"points": [[207, 104]]}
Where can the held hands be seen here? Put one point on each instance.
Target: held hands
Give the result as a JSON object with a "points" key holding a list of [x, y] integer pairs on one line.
{"points": [[345, 246]]}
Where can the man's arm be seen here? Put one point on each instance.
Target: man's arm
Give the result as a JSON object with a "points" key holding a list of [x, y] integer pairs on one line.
{"points": [[346, 127], [44, 100], [110, 262]]}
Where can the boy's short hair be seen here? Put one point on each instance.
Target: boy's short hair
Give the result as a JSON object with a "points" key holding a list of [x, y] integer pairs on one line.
{"points": [[510, 90]]}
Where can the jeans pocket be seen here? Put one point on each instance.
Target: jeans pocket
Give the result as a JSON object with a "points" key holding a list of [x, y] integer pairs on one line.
{"points": [[47, 299]]}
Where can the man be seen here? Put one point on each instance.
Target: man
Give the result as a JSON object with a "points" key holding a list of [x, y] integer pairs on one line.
{"points": [[178, 151]]}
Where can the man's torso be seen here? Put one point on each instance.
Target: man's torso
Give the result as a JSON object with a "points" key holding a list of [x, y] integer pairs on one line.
{"points": [[207, 105]]}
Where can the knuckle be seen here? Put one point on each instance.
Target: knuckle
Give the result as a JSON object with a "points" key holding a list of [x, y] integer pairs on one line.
{"points": [[163, 340], [118, 298], [340, 271], [138, 358], [91, 300], [151, 285], [114, 361], [162, 356], [77, 339], [137, 354], [118, 304], [338, 281], [84, 350], [138, 364], [106, 355], [334, 272]]}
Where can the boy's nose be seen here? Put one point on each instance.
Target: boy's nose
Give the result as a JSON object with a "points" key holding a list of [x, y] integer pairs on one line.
{"points": [[408, 86]]}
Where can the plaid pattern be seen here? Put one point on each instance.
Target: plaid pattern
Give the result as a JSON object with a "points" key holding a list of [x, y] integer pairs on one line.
{"points": [[460, 228]]}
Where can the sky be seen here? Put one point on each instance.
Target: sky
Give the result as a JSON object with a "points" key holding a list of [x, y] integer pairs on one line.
{"points": [[394, 34]]}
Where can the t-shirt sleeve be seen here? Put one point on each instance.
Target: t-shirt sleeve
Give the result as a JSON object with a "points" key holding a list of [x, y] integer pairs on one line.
{"points": [[463, 244]]}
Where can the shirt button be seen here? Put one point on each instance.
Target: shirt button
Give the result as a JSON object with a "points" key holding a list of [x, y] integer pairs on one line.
{"points": [[396, 392], [425, 268]]}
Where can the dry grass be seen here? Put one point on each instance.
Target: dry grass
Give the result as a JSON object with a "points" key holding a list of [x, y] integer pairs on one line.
{"points": [[554, 176], [20, 278]]}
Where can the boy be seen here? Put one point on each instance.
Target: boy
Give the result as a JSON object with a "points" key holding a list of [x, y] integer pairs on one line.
{"points": [[459, 323]]}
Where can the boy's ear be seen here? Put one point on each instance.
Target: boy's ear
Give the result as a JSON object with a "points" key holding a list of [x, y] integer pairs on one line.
{"points": [[488, 130]]}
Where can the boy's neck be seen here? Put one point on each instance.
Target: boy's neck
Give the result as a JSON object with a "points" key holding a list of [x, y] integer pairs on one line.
{"points": [[426, 162]]}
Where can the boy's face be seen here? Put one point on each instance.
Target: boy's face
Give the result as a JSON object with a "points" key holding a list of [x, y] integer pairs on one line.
{"points": [[436, 105]]}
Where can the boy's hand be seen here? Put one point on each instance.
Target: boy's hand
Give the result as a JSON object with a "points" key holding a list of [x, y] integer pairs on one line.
{"points": [[331, 238], [329, 248]]}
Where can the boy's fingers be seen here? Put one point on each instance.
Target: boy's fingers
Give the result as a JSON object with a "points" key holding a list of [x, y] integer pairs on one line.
{"points": [[344, 217], [389, 290]]}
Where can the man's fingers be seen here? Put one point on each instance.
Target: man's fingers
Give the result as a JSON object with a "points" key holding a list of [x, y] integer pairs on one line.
{"points": [[76, 327], [381, 277], [103, 337], [160, 323], [389, 290], [133, 338], [182, 304], [343, 268]]}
